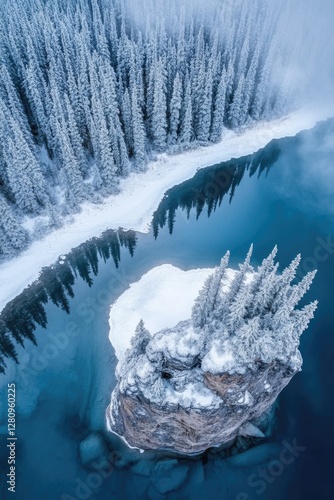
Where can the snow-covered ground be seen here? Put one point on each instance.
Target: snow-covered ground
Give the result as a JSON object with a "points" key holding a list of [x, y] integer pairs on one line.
{"points": [[140, 196], [161, 298]]}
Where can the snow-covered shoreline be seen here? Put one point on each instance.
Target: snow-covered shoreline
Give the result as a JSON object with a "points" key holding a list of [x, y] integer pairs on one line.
{"points": [[140, 196]]}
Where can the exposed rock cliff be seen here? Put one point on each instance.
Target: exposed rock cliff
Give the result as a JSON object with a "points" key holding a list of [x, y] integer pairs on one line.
{"points": [[203, 382]]}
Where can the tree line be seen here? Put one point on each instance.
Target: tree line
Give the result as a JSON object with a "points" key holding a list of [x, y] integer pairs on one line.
{"points": [[91, 90]]}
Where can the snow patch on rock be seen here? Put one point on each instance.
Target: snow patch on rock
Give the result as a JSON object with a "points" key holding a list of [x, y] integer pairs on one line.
{"points": [[161, 298]]}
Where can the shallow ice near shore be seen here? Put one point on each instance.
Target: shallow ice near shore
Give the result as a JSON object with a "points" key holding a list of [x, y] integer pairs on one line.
{"points": [[141, 193]]}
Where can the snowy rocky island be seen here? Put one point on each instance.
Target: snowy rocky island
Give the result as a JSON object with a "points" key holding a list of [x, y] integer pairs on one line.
{"points": [[209, 378]]}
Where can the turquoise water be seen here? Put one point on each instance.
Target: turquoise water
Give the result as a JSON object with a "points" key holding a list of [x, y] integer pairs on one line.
{"points": [[281, 195]]}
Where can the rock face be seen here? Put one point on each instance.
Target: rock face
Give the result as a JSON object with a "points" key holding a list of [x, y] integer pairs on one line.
{"points": [[148, 425], [203, 382]]}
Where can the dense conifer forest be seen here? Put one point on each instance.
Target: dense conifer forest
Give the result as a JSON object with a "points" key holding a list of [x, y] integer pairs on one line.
{"points": [[91, 90]]}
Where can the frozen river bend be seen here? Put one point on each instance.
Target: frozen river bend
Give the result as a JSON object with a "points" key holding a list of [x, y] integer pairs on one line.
{"points": [[210, 378]]}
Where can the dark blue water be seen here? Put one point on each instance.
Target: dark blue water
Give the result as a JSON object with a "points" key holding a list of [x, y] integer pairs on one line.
{"points": [[282, 195]]}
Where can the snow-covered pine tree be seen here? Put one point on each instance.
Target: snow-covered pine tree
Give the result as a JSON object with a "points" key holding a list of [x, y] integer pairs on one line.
{"points": [[102, 147], [138, 344], [26, 193], [140, 339], [250, 83], [200, 311], [262, 292], [13, 237], [263, 270], [70, 172], [35, 92], [150, 79], [15, 106], [112, 114], [219, 108], [298, 291], [175, 110], [72, 86], [239, 278], [283, 284], [186, 129], [138, 131], [159, 117], [127, 120], [250, 332], [235, 110], [302, 318], [208, 304], [75, 139], [259, 99], [205, 109], [237, 309]]}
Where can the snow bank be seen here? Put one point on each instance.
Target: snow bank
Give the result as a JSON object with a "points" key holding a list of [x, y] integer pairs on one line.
{"points": [[161, 298], [140, 195]]}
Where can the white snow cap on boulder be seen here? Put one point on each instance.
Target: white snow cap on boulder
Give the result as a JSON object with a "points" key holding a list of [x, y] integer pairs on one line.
{"points": [[221, 367]]}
